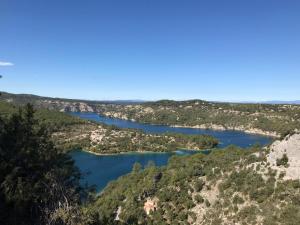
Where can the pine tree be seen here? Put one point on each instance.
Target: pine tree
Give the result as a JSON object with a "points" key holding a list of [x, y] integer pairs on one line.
{"points": [[38, 183]]}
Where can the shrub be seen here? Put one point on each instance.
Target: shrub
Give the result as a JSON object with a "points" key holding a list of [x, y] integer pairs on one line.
{"points": [[207, 203], [283, 161], [237, 200], [199, 185], [199, 199]]}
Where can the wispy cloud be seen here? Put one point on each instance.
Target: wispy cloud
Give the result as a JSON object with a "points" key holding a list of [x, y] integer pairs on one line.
{"points": [[2, 63]]}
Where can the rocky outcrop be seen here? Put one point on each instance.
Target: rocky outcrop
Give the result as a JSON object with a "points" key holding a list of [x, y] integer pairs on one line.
{"points": [[65, 106], [288, 149], [150, 205], [118, 115]]}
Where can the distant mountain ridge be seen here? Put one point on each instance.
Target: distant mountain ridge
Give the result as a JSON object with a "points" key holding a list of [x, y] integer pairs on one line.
{"points": [[270, 102], [21, 98], [295, 102]]}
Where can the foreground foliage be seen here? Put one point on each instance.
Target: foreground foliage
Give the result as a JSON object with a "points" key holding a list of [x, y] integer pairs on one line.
{"points": [[38, 183]]}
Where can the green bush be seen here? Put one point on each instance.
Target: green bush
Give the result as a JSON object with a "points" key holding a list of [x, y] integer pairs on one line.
{"points": [[199, 184], [283, 161], [199, 199]]}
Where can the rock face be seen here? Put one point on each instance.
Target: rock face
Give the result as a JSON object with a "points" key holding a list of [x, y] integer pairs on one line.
{"points": [[150, 205], [117, 218], [65, 106], [78, 107], [115, 115], [290, 147]]}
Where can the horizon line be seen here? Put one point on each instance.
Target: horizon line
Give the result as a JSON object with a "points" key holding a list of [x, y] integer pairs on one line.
{"points": [[270, 101]]}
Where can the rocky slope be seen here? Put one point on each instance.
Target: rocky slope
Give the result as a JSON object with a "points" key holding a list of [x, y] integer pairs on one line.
{"points": [[285, 156], [64, 106]]}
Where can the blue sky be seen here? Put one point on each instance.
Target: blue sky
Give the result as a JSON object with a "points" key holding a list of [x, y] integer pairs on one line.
{"points": [[155, 49]]}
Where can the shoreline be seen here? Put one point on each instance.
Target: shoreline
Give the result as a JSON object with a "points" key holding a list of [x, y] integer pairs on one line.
{"points": [[139, 152], [221, 128], [213, 127], [122, 153]]}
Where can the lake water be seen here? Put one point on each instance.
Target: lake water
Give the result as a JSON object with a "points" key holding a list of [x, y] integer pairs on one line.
{"points": [[99, 170]]}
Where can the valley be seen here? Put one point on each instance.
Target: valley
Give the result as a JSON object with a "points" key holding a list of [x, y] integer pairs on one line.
{"points": [[69, 132], [244, 182], [275, 120]]}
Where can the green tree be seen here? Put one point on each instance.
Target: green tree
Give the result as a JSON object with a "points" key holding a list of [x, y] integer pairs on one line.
{"points": [[37, 182], [283, 161]]}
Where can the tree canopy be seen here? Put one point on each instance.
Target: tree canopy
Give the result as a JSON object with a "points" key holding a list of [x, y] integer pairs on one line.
{"points": [[37, 181]]}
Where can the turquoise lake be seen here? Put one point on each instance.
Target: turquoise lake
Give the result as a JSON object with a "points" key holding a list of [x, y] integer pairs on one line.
{"points": [[99, 170]]}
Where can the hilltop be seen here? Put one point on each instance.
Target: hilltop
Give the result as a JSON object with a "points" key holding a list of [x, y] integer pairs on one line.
{"points": [[59, 104]]}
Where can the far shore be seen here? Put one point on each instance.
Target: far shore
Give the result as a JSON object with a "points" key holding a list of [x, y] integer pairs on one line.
{"points": [[214, 127], [221, 128], [141, 152]]}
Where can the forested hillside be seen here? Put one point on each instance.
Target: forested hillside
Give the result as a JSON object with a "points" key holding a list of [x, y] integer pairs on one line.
{"points": [[229, 186], [274, 120]]}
